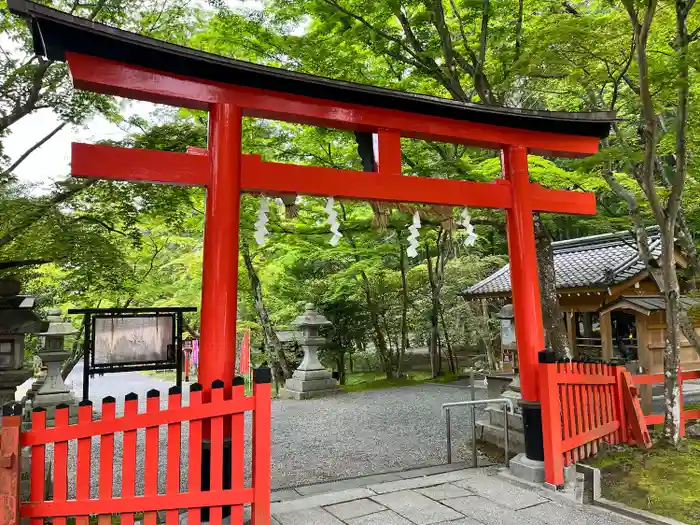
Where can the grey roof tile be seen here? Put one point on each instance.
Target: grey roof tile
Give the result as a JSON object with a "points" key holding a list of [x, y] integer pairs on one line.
{"points": [[598, 260], [651, 303]]}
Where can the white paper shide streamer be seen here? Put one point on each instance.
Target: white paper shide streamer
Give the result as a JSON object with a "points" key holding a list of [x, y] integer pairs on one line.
{"points": [[468, 227], [260, 230], [332, 221], [412, 251]]}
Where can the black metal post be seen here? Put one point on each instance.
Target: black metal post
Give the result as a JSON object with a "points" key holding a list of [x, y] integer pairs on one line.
{"points": [[86, 357], [178, 349], [532, 418], [532, 426]]}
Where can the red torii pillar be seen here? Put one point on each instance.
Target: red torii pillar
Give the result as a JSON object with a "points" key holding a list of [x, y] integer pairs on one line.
{"points": [[226, 173], [525, 289], [220, 259]]}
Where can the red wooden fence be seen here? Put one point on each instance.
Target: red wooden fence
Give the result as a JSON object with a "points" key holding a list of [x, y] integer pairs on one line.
{"points": [[651, 379], [222, 413], [583, 406]]}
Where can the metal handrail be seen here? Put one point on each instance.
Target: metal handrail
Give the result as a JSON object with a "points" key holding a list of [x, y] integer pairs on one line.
{"points": [[446, 408]]}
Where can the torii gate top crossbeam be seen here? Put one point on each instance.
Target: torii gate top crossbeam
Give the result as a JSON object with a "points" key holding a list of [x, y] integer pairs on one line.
{"points": [[131, 65]]}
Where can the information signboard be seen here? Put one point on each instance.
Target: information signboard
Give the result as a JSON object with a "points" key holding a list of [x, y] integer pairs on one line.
{"points": [[131, 339], [142, 339]]}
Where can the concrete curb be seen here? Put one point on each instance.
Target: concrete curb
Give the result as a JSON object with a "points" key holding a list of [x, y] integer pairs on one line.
{"points": [[641, 515], [592, 495]]}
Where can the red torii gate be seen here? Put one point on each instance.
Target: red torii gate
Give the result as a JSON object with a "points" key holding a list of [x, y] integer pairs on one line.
{"points": [[114, 62]]}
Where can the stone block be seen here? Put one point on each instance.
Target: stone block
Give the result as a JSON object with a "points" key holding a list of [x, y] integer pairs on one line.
{"points": [[428, 471], [494, 434], [354, 509], [526, 469], [284, 495], [344, 484], [320, 500], [488, 512], [307, 375], [386, 517], [446, 491], [553, 513], [495, 417], [308, 517], [416, 483], [416, 507], [292, 394], [462, 521], [501, 491], [297, 385], [591, 482]]}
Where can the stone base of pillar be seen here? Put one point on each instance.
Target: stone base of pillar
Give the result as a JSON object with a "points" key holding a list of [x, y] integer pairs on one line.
{"points": [[305, 384], [527, 469], [53, 391]]}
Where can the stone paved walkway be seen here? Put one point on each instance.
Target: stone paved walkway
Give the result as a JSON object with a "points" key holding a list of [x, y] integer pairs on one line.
{"points": [[433, 496]]}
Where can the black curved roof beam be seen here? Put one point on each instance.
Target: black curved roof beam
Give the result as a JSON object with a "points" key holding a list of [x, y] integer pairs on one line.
{"points": [[57, 33]]}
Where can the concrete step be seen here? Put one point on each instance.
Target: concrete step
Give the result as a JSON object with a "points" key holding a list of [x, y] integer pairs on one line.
{"points": [[494, 434], [495, 417]]}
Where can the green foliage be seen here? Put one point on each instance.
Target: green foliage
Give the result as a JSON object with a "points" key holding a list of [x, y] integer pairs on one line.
{"points": [[363, 381], [109, 243]]}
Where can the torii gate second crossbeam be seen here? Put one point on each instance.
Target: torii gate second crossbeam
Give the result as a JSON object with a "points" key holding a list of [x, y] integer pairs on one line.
{"points": [[110, 61]]}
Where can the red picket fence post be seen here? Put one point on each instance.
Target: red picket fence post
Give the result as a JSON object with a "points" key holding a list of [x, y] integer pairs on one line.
{"points": [[650, 379], [219, 412], [583, 406], [262, 417], [551, 420], [633, 409], [10, 464]]}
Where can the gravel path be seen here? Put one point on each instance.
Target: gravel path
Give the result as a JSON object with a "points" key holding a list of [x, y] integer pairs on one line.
{"points": [[348, 435], [361, 433]]}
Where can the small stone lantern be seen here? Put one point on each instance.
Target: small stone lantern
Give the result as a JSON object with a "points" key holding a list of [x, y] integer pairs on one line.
{"points": [[17, 318], [311, 379], [508, 343], [53, 353]]}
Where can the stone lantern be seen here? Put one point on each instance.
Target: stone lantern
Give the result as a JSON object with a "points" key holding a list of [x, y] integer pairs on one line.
{"points": [[53, 353], [17, 319], [310, 379], [508, 346]]}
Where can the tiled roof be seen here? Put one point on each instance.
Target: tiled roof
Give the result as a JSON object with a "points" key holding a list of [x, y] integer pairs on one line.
{"points": [[598, 260], [646, 303]]}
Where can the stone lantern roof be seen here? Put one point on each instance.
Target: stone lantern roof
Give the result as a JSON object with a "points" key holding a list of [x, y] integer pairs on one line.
{"points": [[58, 326], [16, 314], [310, 318]]}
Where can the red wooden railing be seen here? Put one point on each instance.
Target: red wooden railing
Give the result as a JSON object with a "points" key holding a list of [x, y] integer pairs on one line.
{"points": [[583, 406], [651, 379], [219, 413]]}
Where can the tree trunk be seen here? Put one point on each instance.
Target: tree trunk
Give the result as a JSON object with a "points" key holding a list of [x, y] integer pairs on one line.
{"points": [[340, 363], [380, 343], [404, 311], [672, 360], [555, 332], [433, 348], [275, 353], [452, 362]]}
